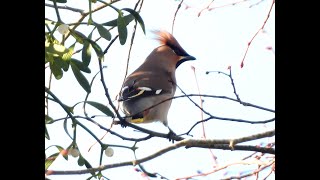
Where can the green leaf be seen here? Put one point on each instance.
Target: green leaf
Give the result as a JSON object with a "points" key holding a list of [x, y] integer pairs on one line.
{"points": [[55, 48], [80, 65], [51, 159], [122, 29], [88, 165], [49, 22], [102, 108], [103, 32], [78, 36], [56, 70], [97, 49], [61, 63], [60, 1], [128, 18], [60, 149], [67, 56], [48, 57], [80, 77], [86, 53], [46, 134], [81, 160], [137, 17], [70, 109], [48, 119], [65, 128]]}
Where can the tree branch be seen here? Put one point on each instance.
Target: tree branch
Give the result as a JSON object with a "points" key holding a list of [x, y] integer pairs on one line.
{"points": [[188, 143]]}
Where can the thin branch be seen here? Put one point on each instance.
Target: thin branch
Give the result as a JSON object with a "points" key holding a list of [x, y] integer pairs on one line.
{"points": [[84, 15], [221, 167], [255, 4], [249, 43], [268, 145], [216, 169], [194, 102], [228, 119], [74, 120], [153, 133], [67, 8], [207, 7], [108, 96], [57, 11], [118, 135], [252, 173], [175, 15], [272, 170], [131, 43], [188, 143], [233, 86], [201, 105], [234, 89], [111, 42], [230, 4], [219, 97]]}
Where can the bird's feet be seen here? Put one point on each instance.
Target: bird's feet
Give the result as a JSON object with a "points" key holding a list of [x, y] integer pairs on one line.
{"points": [[171, 135], [122, 122]]}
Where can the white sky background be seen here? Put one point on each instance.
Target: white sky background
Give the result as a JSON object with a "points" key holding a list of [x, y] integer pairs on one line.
{"points": [[217, 38]]}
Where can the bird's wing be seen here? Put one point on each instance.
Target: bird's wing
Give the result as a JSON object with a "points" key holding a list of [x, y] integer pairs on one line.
{"points": [[144, 87]]}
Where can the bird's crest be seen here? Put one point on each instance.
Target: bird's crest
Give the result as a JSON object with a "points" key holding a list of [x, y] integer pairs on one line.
{"points": [[165, 38]]}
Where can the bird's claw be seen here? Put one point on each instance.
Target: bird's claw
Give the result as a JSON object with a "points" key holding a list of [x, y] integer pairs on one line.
{"points": [[171, 136]]}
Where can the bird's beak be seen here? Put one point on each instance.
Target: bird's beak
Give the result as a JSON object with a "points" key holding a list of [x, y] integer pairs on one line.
{"points": [[183, 59], [187, 58]]}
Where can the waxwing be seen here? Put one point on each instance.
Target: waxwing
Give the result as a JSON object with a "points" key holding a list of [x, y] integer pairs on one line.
{"points": [[153, 82]]}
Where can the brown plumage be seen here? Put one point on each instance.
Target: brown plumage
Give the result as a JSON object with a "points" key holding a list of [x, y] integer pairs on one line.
{"points": [[153, 82]]}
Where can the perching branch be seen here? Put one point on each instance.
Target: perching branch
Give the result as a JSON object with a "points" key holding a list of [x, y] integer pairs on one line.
{"points": [[188, 143]]}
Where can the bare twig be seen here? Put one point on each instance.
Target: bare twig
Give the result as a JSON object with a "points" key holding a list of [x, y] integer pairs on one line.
{"points": [[228, 119], [207, 7], [233, 86], [85, 14], [175, 15], [255, 4], [131, 43], [230, 4], [67, 8], [194, 102], [249, 43], [252, 173], [201, 105], [216, 169], [74, 120]]}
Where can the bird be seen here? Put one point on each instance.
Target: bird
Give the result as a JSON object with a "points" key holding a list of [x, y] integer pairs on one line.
{"points": [[154, 81]]}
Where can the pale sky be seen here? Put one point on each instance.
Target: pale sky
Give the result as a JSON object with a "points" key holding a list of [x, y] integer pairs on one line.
{"points": [[217, 38]]}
